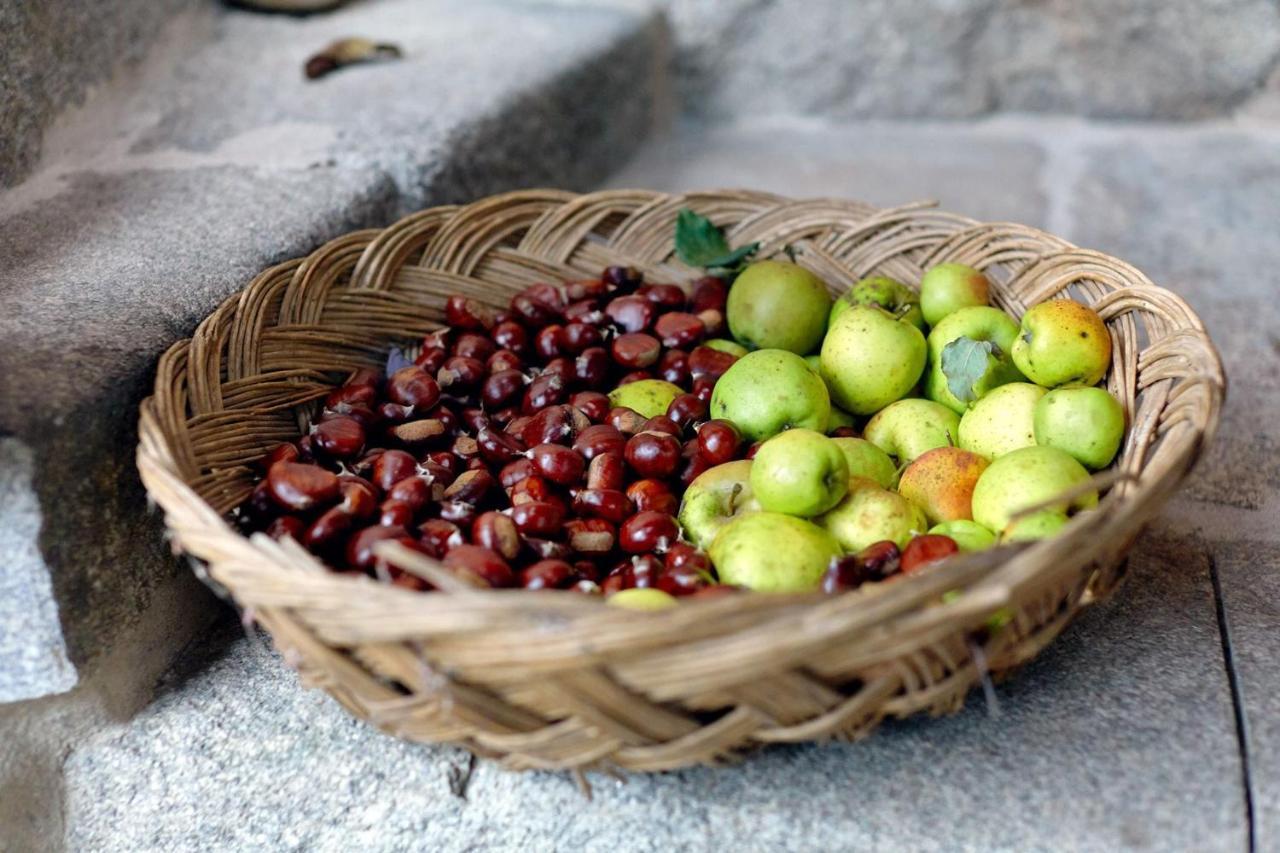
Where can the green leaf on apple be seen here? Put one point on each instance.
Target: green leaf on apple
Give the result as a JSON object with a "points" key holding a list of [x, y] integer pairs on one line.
{"points": [[965, 362], [699, 243]]}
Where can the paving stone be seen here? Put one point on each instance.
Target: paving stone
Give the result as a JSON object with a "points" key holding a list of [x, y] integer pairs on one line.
{"points": [[986, 175], [54, 52], [169, 195], [1249, 572], [1194, 211], [956, 58], [1092, 749]]}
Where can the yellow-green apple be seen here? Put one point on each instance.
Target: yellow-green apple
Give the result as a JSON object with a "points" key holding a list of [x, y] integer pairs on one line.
{"points": [[871, 358], [870, 514], [642, 599], [839, 418], [969, 354], [969, 535], [778, 305], [867, 460], [649, 397], [714, 498], [770, 390], [799, 472], [1025, 478], [947, 288], [1002, 421], [1038, 525], [907, 428], [893, 296], [1088, 423], [731, 347], [1062, 342], [941, 481], [772, 552]]}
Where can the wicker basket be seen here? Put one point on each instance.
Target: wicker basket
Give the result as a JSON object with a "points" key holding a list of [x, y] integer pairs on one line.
{"points": [[556, 680]]}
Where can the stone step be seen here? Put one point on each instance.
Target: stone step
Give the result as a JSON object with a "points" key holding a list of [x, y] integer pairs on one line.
{"points": [[1089, 748], [156, 200]]}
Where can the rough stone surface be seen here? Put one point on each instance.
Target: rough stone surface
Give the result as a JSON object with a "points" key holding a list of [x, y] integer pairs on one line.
{"points": [[955, 58], [163, 198], [1249, 572], [1090, 750], [987, 175], [1194, 211], [30, 642], [54, 53]]}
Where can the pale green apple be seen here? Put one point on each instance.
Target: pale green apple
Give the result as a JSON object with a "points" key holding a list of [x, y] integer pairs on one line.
{"points": [[907, 428], [987, 326], [839, 418], [1025, 478], [867, 460], [947, 288], [731, 347], [772, 552], [871, 514], [1062, 342], [893, 296], [1038, 525], [778, 305], [770, 390], [813, 361], [799, 472], [969, 535], [714, 498], [1088, 423], [1002, 421], [941, 481], [649, 397], [870, 358], [642, 599]]}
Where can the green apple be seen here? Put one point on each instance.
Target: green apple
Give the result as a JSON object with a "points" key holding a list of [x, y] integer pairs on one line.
{"points": [[1038, 525], [941, 481], [778, 305], [947, 288], [731, 347], [799, 472], [1002, 421], [772, 552], [714, 498], [770, 390], [1088, 423], [1024, 478], [649, 397], [969, 535], [839, 418], [641, 599], [815, 363], [866, 460], [870, 358], [893, 296], [907, 428], [970, 333], [1063, 342], [870, 514]]}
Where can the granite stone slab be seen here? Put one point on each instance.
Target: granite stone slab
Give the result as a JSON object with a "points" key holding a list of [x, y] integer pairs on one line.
{"points": [[158, 200], [986, 175], [1249, 573], [1091, 747]]}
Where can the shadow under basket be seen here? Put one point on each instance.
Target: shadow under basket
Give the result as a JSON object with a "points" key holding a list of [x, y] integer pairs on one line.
{"points": [[558, 680]]}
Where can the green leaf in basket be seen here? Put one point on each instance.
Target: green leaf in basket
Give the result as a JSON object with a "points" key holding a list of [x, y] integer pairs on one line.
{"points": [[964, 363], [699, 243]]}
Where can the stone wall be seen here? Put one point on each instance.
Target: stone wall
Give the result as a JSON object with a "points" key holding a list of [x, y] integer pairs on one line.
{"points": [[54, 52]]}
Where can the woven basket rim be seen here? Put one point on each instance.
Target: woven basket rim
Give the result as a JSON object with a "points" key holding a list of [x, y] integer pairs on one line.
{"points": [[202, 382]]}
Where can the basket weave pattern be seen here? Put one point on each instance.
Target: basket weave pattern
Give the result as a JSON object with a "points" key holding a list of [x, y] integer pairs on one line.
{"points": [[556, 680]]}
